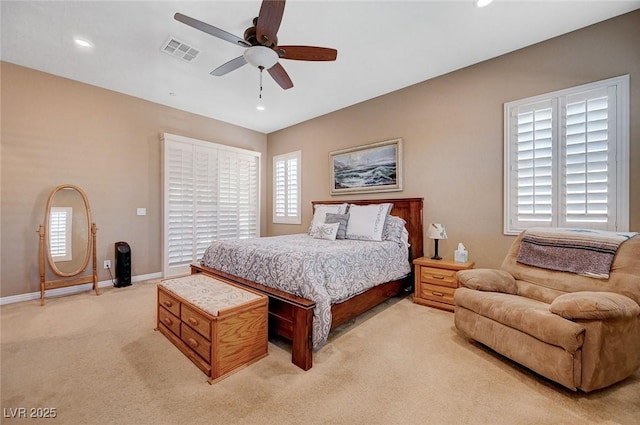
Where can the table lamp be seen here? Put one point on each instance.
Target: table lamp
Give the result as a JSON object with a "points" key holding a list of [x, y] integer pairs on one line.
{"points": [[436, 232]]}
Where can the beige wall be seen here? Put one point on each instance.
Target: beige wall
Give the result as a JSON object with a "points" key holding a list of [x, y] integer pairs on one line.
{"points": [[452, 127], [56, 131]]}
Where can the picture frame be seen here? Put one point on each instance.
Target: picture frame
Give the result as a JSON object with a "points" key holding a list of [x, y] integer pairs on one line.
{"points": [[376, 167]]}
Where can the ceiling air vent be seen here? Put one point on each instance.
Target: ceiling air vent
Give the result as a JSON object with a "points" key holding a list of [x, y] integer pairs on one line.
{"points": [[178, 49]]}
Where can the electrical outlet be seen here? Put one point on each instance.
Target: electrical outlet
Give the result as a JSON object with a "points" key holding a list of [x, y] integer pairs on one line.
{"points": [[107, 264]]}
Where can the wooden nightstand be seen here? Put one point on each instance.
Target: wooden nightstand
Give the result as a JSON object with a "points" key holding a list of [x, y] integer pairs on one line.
{"points": [[436, 281]]}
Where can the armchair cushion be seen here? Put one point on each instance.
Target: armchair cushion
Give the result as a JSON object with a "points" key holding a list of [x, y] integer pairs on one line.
{"points": [[488, 280], [594, 306], [529, 316]]}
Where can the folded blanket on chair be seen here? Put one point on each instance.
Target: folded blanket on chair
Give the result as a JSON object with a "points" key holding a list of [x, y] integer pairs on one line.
{"points": [[581, 251]]}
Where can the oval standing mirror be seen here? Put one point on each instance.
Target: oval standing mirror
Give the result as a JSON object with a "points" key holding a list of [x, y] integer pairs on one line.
{"points": [[67, 238], [68, 224]]}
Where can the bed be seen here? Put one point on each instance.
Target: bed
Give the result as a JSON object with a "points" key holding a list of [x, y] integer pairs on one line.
{"points": [[292, 306]]}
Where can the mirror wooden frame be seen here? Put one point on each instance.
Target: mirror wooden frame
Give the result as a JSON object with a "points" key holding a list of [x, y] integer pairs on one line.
{"points": [[45, 252]]}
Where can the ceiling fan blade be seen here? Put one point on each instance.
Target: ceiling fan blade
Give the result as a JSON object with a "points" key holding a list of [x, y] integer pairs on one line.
{"points": [[210, 29], [281, 77], [269, 20], [307, 53], [232, 65]]}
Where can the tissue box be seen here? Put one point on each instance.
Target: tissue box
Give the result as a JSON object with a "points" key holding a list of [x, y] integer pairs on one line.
{"points": [[460, 256]]}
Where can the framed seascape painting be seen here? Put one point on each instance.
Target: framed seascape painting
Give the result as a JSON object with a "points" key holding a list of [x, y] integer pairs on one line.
{"points": [[370, 168]]}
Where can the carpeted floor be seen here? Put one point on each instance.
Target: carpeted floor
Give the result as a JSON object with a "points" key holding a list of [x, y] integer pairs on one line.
{"points": [[97, 360]]}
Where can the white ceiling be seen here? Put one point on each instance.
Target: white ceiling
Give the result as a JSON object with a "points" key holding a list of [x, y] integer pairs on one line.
{"points": [[382, 46]]}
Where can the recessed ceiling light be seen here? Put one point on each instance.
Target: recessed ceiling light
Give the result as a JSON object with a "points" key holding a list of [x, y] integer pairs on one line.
{"points": [[482, 3], [83, 43], [260, 108]]}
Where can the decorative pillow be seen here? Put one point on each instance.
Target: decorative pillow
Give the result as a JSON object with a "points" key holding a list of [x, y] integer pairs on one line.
{"points": [[341, 219], [366, 222], [320, 212], [326, 231], [394, 230]]}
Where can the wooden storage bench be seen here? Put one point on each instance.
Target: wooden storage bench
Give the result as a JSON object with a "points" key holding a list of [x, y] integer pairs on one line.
{"points": [[219, 326]]}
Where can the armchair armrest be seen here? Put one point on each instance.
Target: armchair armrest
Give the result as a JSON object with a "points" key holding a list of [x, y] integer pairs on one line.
{"points": [[490, 280], [594, 306]]}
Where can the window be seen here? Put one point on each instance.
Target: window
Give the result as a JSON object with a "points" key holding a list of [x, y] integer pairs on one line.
{"points": [[566, 158], [286, 188], [211, 192], [60, 233]]}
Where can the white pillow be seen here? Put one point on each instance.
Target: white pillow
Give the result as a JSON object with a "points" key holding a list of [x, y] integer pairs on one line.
{"points": [[326, 231], [366, 222], [320, 212]]}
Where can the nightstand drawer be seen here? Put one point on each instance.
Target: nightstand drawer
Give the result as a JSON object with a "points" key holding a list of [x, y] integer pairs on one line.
{"points": [[436, 281], [443, 294], [439, 276]]}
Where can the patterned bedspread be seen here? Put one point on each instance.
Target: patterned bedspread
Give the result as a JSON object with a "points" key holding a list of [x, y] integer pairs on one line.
{"points": [[323, 271]]}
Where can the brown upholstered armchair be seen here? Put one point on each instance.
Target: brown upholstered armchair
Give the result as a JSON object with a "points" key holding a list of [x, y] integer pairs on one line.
{"points": [[581, 332]]}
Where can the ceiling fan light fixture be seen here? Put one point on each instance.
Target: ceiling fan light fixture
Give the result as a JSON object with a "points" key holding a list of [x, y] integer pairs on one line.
{"points": [[261, 42], [260, 56]]}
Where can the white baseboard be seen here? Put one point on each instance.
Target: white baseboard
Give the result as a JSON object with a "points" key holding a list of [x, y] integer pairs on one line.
{"points": [[71, 289]]}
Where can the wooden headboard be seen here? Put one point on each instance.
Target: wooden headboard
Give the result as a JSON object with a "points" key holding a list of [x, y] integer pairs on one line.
{"points": [[410, 209]]}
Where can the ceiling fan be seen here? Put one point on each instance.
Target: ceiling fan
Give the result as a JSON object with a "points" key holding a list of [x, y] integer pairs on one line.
{"points": [[261, 43]]}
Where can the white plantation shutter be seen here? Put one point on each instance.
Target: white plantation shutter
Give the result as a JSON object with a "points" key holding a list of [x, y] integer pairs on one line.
{"points": [[211, 192], [533, 162], [279, 185], [238, 200], [293, 200], [228, 213], [589, 158], [206, 199], [179, 198], [286, 188], [248, 198], [566, 159], [60, 233]]}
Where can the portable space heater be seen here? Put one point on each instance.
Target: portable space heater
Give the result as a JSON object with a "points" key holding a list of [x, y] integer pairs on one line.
{"points": [[123, 264]]}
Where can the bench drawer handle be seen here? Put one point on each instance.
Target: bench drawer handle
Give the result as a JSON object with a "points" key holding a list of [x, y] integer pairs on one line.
{"points": [[192, 321], [192, 342], [167, 303], [167, 321]]}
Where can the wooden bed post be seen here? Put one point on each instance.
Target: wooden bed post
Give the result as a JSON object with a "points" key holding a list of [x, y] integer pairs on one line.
{"points": [[301, 344]]}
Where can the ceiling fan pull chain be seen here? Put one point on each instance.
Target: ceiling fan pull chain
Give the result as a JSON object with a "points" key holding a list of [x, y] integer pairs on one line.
{"points": [[260, 95]]}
